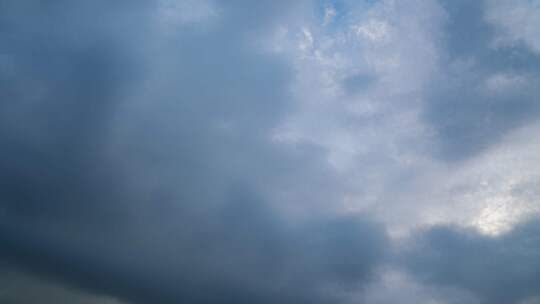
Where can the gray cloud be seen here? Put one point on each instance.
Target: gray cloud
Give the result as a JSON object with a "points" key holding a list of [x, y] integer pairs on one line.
{"points": [[140, 166], [21, 287], [502, 269], [358, 83], [483, 90], [239, 151]]}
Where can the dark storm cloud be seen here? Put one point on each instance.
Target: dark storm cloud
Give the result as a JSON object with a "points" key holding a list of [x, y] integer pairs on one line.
{"points": [[466, 105], [140, 167], [234, 256], [502, 269]]}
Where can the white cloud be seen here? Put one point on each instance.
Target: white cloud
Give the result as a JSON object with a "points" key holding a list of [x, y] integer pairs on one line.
{"points": [[176, 13], [516, 20]]}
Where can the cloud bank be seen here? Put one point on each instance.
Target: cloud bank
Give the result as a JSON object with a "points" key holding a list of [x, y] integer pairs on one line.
{"points": [[179, 151]]}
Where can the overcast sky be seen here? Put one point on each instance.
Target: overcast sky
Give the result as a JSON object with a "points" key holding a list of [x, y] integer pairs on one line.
{"points": [[270, 151]]}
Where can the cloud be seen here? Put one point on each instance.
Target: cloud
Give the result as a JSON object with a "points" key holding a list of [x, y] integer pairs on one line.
{"points": [[240, 253], [259, 151], [515, 22], [502, 269], [466, 112], [19, 286], [140, 163]]}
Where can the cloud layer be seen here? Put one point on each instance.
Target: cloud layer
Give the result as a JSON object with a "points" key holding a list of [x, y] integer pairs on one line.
{"points": [[269, 151], [502, 269], [141, 167]]}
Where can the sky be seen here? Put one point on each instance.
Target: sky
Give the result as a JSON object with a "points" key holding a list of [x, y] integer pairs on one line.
{"points": [[272, 151]]}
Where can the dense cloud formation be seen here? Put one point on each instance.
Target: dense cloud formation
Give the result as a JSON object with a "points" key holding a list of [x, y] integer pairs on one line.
{"points": [[484, 90], [214, 151], [138, 166], [503, 269]]}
